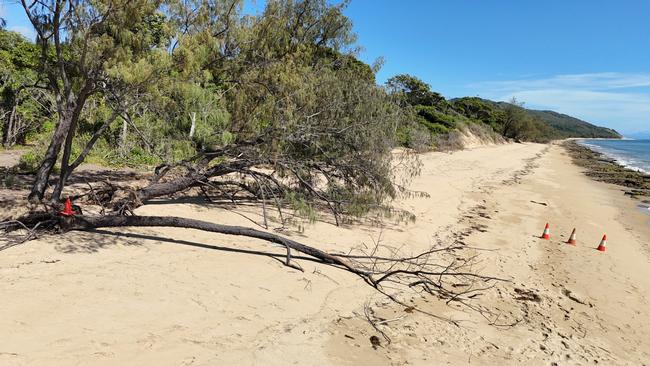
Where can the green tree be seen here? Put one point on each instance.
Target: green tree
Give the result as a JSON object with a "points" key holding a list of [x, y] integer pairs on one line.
{"points": [[481, 110], [101, 49], [297, 103], [414, 90], [23, 107], [210, 92]]}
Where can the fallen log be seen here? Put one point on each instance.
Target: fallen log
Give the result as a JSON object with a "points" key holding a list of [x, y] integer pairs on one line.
{"points": [[439, 271], [88, 222]]}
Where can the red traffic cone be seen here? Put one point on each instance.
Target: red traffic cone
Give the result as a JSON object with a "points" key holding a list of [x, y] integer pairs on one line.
{"points": [[603, 242], [572, 238], [67, 210], [547, 232]]}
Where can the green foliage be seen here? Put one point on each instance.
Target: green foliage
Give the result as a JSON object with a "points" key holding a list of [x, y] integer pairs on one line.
{"points": [[9, 180], [30, 160], [16, 52], [480, 110], [287, 78], [434, 116], [427, 109], [301, 205], [413, 133], [22, 109], [567, 126], [536, 126], [415, 91]]}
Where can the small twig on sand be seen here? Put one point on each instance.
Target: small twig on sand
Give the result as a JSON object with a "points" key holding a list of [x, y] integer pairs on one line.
{"points": [[367, 311]]}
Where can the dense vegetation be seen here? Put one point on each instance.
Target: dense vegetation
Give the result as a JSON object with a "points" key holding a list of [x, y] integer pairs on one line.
{"points": [[163, 83], [511, 120], [567, 126]]}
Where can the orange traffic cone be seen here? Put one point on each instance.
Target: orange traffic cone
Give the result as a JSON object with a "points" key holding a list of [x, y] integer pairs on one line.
{"points": [[572, 238], [547, 232], [67, 210], [603, 242]]}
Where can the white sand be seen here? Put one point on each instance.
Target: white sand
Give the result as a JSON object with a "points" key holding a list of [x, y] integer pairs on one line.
{"points": [[90, 298]]}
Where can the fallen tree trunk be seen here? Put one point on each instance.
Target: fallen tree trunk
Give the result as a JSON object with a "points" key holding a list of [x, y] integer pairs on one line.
{"points": [[438, 271], [87, 222], [197, 177]]}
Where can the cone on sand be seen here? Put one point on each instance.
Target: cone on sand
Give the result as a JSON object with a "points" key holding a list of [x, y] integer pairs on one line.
{"points": [[572, 239], [67, 210], [603, 242], [547, 232]]}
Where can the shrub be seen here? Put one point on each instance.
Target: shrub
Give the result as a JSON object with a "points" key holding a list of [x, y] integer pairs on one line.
{"points": [[451, 141], [30, 160]]}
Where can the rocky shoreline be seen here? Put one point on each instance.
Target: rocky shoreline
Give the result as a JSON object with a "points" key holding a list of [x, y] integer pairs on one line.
{"points": [[604, 169]]}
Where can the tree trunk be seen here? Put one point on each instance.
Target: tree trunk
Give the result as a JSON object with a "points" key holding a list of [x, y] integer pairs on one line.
{"points": [[9, 103], [5, 130], [20, 136], [45, 169], [66, 167], [176, 185], [168, 188], [85, 223], [10, 133], [18, 130], [123, 136], [65, 159], [193, 127]]}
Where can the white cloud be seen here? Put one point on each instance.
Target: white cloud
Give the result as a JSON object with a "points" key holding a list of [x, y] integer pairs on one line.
{"points": [[596, 81], [612, 99], [28, 32]]}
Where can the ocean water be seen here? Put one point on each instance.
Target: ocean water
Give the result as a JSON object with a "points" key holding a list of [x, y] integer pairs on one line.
{"points": [[633, 154]]}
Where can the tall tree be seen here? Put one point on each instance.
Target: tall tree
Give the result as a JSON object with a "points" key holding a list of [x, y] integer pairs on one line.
{"points": [[414, 90], [281, 90], [297, 103], [83, 45], [517, 124]]}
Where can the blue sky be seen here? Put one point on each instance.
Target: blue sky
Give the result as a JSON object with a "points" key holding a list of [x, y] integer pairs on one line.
{"points": [[587, 58]]}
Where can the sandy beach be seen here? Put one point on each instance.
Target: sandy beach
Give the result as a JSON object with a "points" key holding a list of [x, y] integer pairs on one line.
{"points": [[183, 297]]}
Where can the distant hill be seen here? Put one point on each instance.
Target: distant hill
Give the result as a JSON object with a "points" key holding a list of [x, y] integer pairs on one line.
{"points": [[562, 125], [573, 127], [440, 116]]}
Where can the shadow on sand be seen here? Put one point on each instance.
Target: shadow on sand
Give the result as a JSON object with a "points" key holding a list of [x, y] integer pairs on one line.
{"points": [[93, 244]]}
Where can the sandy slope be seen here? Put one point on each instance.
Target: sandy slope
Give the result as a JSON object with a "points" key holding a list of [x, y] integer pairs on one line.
{"points": [[130, 297]]}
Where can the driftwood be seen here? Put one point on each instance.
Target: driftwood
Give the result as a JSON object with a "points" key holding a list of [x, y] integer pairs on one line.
{"points": [[438, 272]]}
